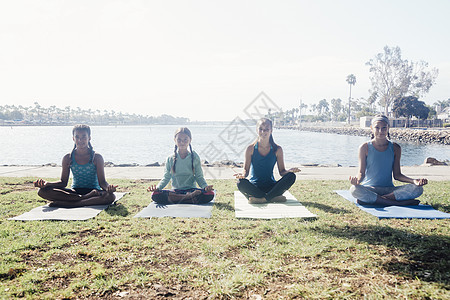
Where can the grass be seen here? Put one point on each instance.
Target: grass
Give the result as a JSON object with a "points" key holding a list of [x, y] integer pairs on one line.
{"points": [[343, 253]]}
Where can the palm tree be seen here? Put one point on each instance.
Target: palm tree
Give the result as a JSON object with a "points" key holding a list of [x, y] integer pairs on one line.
{"points": [[351, 80]]}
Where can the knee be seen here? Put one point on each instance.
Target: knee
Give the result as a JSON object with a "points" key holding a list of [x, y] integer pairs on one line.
{"points": [[43, 193], [241, 182], [418, 190], [354, 190], [110, 197], [290, 177]]}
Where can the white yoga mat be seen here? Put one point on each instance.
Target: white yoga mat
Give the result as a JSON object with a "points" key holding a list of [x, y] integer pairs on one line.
{"points": [[289, 209], [176, 210], [46, 212]]}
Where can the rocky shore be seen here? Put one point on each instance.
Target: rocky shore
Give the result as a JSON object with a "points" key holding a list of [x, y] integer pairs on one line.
{"points": [[425, 136]]}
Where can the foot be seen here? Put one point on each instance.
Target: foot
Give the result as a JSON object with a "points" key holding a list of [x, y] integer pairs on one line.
{"points": [[191, 198], [255, 200], [93, 193], [278, 199]]}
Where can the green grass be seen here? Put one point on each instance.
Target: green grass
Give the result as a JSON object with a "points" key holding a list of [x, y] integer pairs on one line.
{"points": [[343, 253]]}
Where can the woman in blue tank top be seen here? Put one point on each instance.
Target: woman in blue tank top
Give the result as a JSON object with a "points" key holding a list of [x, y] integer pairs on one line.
{"points": [[89, 186], [260, 159], [379, 159]]}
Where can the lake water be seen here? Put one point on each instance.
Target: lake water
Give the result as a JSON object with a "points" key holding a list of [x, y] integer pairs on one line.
{"points": [[36, 145]]}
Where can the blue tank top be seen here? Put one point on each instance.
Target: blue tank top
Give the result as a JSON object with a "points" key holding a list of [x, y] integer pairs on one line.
{"points": [[379, 166], [84, 176], [261, 168]]}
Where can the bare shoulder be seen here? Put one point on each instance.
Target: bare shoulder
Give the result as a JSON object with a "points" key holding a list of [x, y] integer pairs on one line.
{"points": [[250, 149], [397, 148], [364, 147], [98, 158], [66, 159], [279, 150]]}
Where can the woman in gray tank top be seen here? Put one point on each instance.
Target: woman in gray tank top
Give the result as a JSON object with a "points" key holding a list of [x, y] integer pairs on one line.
{"points": [[379, 160]]}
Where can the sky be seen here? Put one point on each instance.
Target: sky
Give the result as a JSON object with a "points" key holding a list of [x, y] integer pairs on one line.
{"points": [[207, 60]]}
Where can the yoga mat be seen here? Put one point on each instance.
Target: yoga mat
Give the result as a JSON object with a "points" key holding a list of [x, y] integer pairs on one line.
{"points": [[289, 209], [176, 210], [46, 212], [420, 211]]}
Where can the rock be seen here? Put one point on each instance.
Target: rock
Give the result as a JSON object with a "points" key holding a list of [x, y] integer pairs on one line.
{"points": [[109, 164], [155, 164], [433, 162]]}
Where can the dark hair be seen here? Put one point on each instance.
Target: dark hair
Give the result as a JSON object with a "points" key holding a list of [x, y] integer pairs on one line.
{"points": [[271, 141], [381, 118], [187, 132], [86, 128]]}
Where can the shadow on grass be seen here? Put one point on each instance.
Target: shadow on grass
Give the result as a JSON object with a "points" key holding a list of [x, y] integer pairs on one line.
{"points": [[441, 206], [325, 208], [118, 210], [223, 206], [424, 256]]}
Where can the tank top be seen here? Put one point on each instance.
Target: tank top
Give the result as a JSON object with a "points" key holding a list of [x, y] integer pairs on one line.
{"points": [[84, 176], [379, 166], [261, 168]]}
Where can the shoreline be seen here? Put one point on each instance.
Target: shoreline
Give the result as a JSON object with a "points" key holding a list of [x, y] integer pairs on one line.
{"points": [[431, 172], [423, 136]]}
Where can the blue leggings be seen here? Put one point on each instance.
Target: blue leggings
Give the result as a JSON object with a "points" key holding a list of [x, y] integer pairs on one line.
{"points": [[369, 194]]}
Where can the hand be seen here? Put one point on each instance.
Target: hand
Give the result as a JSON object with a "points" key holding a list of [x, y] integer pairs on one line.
{"points": [[152, 188], [40, 183], [208, 188], [354, 180], [111, 188], [294, 170], [420, 181], [239, 176]]}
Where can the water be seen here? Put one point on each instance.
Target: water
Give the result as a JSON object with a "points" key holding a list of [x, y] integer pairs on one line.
{"points": [[37, 145]]}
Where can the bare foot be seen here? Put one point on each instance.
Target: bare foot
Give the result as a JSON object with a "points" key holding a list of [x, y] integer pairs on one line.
{"points": [[93, 193], [255, 200], [278, 199]]}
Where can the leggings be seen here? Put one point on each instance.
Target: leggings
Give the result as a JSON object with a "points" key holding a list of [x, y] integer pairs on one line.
{"points": [[268, 191], [368, 194], [162, 197]]}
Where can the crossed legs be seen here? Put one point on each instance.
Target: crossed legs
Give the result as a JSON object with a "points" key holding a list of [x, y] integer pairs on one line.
{"points": [[386, 196], [63, 197]]}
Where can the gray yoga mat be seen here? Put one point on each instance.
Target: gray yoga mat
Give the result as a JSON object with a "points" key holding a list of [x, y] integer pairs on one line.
{"points": [[176, 210], [289, 209], [46, 212], [396, 212]]}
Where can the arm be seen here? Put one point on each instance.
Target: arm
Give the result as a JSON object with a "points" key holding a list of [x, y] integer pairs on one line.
{"points": [[280, 163], [362, 155], [398, 175], [65, 172], [247, 162], [100, 165], [167, 175]]}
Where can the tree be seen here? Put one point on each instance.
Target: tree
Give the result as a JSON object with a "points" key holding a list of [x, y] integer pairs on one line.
{"points": [[351, 80], [393, 77], [410, 106]]}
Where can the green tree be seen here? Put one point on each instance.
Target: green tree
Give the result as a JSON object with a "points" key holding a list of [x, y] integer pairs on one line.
{"points": [[393, 77], [410, 106]]}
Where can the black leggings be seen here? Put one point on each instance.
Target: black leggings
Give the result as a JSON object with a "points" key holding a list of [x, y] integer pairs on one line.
{"points": [[276, 189], [162, 197]]}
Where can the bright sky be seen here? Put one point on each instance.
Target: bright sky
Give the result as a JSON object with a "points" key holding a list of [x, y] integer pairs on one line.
{"points": [[207, 60]]}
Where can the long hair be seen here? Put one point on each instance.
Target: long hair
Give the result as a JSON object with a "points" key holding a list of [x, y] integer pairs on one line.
{"points": [[187, 132], [271, 141], [87, 129], [377, 118]]}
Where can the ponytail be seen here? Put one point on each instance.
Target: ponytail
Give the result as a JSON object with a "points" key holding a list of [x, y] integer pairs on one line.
{"points": [[192, 159]]}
